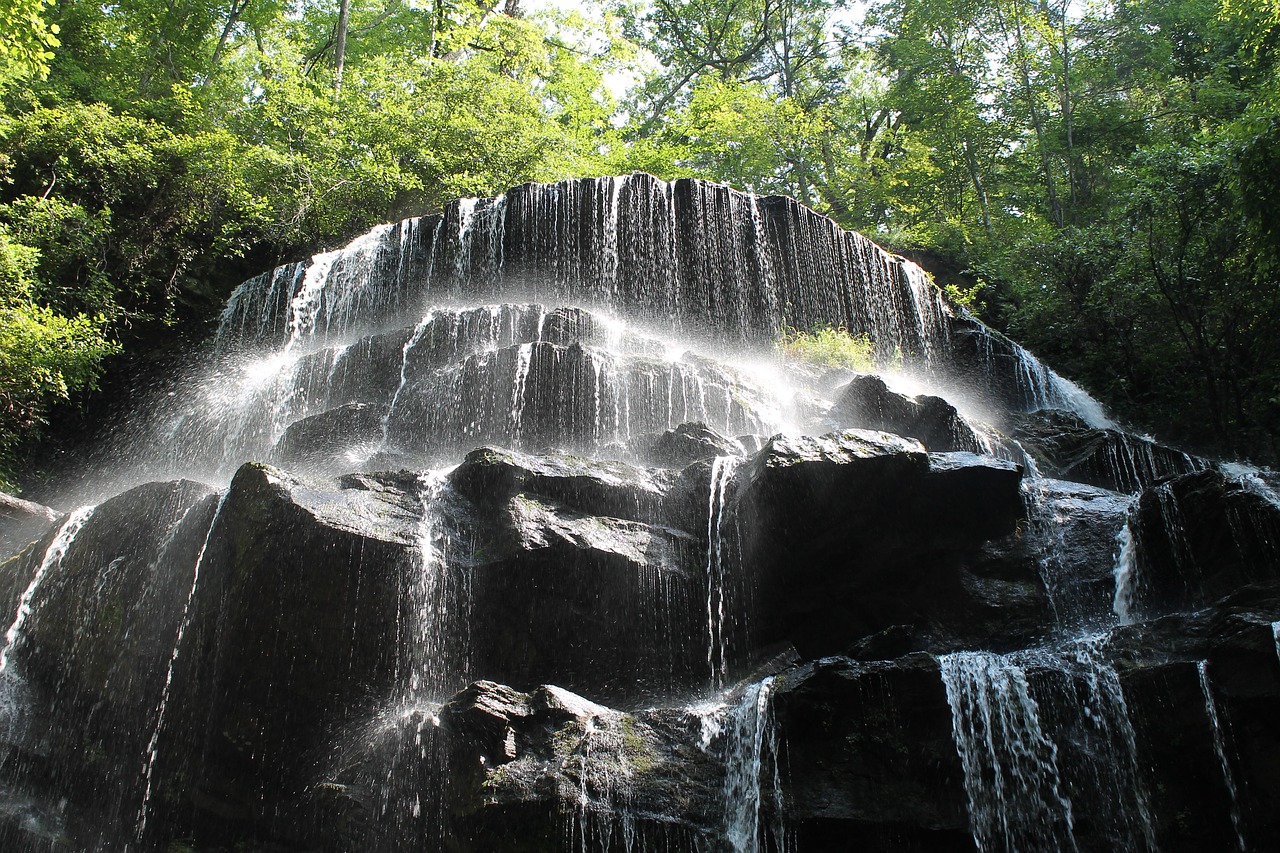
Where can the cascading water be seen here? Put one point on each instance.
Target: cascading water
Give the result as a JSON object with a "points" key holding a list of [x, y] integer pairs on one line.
{"points": [[53, 555], [1220, 747], [13, 698], [565, 378], [1016, 801], [721, 601], [1026, 771], [752, 775], [439, 601], [1126, 575], [153, 746]]}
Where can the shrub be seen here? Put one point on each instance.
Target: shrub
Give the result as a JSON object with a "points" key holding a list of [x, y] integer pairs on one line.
{"points": [[829, 346]]}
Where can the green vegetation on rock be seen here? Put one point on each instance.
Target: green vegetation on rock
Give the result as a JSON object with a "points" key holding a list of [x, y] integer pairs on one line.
{"points": [[828, 347]]}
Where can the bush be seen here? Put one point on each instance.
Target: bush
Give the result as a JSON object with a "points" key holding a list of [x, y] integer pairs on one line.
{"points": [[829, 346]]}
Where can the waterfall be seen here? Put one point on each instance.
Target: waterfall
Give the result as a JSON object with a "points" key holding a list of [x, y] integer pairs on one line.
{"points": [[1032, 764], [690, 256], [498, 423], [13, 689], [1016, 801], [1220, 747], [1125, 572], [53, 555], [720, 570], [751, 773], [1047, 531], [1109, 749], [440, 602]]}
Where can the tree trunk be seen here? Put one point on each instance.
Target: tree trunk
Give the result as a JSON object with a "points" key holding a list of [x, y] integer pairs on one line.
{"points": [[340, 44]]}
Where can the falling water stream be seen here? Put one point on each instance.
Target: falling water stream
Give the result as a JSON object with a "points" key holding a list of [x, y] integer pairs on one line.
{"points": [[580, 322], [720, 573], [1220, 747], [1125, 572], [153, 746], [53, 555], [1016, 799]]}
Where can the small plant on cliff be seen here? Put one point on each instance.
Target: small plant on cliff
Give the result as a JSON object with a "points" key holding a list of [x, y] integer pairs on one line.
{"points": [[829, 346]]}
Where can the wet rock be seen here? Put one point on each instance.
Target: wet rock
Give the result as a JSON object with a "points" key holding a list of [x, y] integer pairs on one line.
{"points": [[293, 632], [830, 527], [21, 522], [604, 605], [867, 403], [1159, 662], [692, 442], [496, 768], [490, 476], [336, 439], [1071, 535], [103, 617], [89, 662], [1064, 446], [872, 764], [1199, 537]]}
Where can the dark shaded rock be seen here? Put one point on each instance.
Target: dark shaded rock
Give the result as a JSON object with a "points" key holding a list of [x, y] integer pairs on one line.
{"points": [[294, 631], [872, 764], [1071, 534], [554, 741], [602, 604], [104, 616], [1064, 446], [686, 443], [867, 403], [490, 476], [830, 527], [1159, 662], [325, 440], [21, 522], [1199, 537], [89, 662], [496, 768]]}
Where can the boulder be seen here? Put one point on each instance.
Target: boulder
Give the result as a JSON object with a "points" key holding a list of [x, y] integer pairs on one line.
{"points": [[496, 768], [1072, 535], [292, 572], [1064, 446], [872, 763], [692, 442], [830, 536], [340, 438], [88, 666], [601, 604], [1199, 537], [867, 403], [489, 476]]}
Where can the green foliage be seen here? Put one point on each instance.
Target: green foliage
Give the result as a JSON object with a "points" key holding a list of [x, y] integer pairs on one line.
{"points": [[27, 43], [44, 356], [828, 347]]}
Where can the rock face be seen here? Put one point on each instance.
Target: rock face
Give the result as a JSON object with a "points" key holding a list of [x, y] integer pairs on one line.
{"points": [[867, 403], [1199, 537], [1065, 446], [508, 583], [684, 444]]}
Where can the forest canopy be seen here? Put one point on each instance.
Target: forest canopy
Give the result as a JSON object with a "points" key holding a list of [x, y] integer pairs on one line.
{"points": [[1099, 179]]}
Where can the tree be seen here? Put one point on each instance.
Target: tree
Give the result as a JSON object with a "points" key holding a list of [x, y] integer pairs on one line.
{"points": [[27, 43]]}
